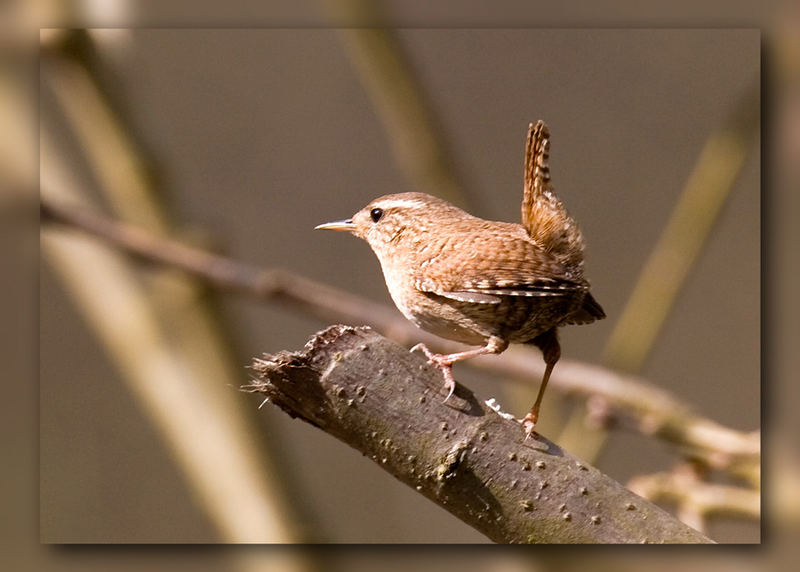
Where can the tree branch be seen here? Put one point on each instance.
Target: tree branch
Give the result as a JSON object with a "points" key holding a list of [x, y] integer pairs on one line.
{"points": [[655, 412], [467, 457], [696, 499], [399, 100]]}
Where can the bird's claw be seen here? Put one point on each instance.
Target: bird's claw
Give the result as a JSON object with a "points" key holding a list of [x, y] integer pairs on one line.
{"points": [[528, 424], [445, 367], [424, 349], [449, 385]]}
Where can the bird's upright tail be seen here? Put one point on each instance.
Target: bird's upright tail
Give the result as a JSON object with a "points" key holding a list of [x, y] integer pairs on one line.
{"points": [[543, 214]]}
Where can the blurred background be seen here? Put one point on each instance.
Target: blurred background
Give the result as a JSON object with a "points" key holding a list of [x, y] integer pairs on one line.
{"points": [[241, 140]]}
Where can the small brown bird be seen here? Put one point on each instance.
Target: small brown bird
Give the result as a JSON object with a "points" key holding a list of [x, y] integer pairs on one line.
{"points": [[483, 282]]}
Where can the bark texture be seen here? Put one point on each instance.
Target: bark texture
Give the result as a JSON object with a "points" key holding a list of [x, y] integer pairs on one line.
{"points": [[462, 454]]}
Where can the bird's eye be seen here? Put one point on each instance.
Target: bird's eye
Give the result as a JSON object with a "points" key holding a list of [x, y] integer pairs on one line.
{"points": [[376, 214]]}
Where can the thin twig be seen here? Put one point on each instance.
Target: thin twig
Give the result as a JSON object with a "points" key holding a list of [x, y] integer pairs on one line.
{"points": [[399, 101], [654, 411], [696, 499]]}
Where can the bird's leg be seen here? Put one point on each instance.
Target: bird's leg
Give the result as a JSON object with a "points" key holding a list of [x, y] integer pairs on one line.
{"points": [[551, 351], [445, 362]]}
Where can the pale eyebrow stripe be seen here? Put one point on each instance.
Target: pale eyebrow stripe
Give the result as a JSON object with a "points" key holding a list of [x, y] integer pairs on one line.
{"points": [[400, 203]]}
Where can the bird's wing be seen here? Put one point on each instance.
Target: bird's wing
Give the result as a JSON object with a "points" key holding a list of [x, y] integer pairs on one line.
{"points": [[487, 291], [513, 268]]}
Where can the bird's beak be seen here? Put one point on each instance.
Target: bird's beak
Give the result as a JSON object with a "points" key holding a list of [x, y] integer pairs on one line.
{"points": [[337, 225]]}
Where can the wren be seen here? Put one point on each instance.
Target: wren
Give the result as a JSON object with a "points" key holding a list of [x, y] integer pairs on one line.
{"points": [[482, 282]]}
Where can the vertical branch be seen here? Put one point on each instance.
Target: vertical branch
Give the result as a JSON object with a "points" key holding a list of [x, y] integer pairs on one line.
{"points": [[674, 256], [683, 238], [400, 104], [245, 501], [238, 499]]}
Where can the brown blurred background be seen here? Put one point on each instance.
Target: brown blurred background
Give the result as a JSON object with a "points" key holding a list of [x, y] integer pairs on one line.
{"points": [[252, 137]]}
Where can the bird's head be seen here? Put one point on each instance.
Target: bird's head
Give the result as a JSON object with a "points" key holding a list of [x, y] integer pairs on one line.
{"points": [[403, 218]]}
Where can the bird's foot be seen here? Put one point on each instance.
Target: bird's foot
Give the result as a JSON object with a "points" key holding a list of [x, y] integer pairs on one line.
{"points": [[444, 363], [529, 422], [424, 349]]}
